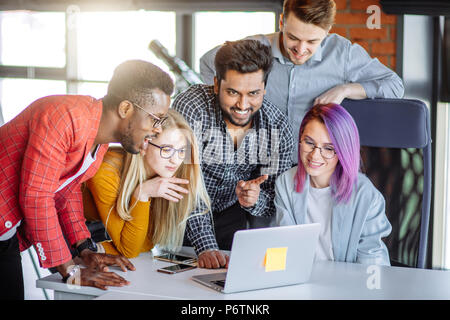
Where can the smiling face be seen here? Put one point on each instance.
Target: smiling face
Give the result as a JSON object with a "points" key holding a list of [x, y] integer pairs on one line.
{"points": [[158, 165], [136, 132], [299, 40], [319, 168], [240, 96]]}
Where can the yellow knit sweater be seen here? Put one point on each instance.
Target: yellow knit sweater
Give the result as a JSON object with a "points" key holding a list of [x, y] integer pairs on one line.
{"points": [[129, 238]]}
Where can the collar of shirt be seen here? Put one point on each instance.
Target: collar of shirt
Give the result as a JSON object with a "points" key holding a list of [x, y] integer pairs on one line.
{"points": [[276, 50]]}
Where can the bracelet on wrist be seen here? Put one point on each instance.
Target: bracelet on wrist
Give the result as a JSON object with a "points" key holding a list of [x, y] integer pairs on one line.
{"points": [[73, 272], [100, 248]]}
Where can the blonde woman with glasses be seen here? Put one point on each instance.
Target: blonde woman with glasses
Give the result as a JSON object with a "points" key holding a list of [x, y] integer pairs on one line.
{"points": [[153, 198]]}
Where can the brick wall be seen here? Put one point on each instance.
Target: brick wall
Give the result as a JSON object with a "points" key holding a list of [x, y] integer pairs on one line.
{"points": [[351, 22]]}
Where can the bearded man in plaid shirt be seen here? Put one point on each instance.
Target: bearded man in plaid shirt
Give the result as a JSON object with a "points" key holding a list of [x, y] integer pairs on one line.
{"points": [[245, 140], [48, 150]]}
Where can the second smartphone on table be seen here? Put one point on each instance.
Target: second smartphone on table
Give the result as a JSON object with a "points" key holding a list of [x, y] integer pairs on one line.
{"points": [[176, 268]]}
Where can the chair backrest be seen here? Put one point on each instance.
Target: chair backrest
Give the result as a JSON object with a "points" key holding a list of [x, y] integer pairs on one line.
{"points": [[396, 155]]}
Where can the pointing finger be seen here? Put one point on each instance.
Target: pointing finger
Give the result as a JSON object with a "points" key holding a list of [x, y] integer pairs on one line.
{"points": [[260, 179]]}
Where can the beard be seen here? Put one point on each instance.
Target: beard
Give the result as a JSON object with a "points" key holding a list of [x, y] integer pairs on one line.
{"points": [[126, 140], [227, 115]]}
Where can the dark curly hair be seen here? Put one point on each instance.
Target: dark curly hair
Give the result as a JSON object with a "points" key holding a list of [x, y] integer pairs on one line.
{"points": [[244, 56], [135, 80]]}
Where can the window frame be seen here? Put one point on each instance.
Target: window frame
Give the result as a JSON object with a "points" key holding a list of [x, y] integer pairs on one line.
{"points": [[184, 42]]}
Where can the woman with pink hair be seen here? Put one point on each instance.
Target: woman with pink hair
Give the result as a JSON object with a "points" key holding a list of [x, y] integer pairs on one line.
{"points": [[327, 187]]}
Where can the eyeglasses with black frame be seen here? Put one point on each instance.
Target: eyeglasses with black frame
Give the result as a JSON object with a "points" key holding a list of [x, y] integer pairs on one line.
{"points": [[167, 152], [308, 146], [156, 120]]}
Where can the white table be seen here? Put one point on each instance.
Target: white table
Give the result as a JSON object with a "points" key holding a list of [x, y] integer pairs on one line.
{"points": [[329, 280]]}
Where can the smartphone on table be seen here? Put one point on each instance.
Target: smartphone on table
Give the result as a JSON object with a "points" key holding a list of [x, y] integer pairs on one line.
{"points": [[177, 258], [176, 268]]}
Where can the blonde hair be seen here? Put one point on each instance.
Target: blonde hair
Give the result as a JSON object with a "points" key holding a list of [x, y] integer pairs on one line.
{"points": [[167, 218]]}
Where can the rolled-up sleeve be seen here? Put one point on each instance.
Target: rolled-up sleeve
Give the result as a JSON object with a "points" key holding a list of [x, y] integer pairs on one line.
{"points": [[378, 80]]}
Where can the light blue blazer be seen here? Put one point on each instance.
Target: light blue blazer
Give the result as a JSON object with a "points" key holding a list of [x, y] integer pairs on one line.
{"points": [[356, 227]]}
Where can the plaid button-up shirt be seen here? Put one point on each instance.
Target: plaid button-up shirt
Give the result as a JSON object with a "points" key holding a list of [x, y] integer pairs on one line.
{"points": [[39, 150], [265, 149]]}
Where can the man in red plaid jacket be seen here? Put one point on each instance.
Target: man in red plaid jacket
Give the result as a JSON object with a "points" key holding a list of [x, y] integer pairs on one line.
{"points": [[48, 150]]}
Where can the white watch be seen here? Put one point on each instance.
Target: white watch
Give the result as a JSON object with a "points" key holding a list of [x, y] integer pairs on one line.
{"points": [[74, 271]]}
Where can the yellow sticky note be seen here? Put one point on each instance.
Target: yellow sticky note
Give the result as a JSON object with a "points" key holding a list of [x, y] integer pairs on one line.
{"points": [[275, 259]]}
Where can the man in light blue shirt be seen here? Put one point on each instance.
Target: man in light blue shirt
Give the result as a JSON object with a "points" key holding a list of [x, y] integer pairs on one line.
{"points": [[311, 66]]}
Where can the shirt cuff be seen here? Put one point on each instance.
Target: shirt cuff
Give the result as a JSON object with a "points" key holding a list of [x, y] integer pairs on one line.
{"points": [[372, 89], [258, 208], [248, 209], [137, 201], [203, 243]]}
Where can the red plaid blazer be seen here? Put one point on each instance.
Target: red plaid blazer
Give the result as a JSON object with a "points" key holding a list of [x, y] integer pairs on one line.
{"points": [[39, 149]]}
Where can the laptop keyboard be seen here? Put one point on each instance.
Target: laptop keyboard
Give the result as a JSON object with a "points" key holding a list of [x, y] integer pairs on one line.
{"points": [[220, 283]]}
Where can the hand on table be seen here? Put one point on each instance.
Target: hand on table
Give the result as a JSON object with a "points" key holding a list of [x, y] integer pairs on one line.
{"points": [[213, 259], [101, 261], [99, 279], [96, 272]]}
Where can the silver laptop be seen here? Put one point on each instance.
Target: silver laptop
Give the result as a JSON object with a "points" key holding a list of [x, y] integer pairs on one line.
{"points": [[267, 257]]}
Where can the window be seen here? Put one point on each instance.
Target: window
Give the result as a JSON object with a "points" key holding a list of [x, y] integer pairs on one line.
{"points": [[106, 39], [17, 94], [441, 220], [93, 89], [32, 39], [214, 28], [79, 57]]}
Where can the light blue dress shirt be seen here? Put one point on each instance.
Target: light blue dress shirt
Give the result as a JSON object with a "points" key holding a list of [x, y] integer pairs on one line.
{"points": [[293, 88], [357, 227]]}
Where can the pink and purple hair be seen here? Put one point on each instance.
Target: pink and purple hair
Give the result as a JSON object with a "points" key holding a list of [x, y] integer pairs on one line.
{"points": [[345, 139]]}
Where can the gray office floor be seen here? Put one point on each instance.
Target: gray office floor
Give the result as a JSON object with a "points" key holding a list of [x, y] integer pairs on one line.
{"points": [[30, 276]]}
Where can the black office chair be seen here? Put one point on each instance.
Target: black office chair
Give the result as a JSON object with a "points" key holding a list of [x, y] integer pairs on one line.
{"points": [[396, 156]]}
